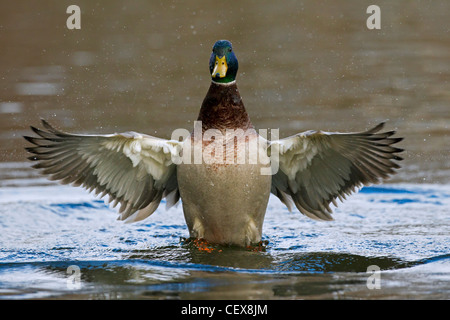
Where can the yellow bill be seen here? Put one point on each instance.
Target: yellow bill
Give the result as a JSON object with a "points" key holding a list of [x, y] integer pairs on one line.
{"points": [[220, 67]]}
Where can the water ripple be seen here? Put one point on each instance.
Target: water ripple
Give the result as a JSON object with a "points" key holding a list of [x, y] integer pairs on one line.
{"points": [[45, 229]]}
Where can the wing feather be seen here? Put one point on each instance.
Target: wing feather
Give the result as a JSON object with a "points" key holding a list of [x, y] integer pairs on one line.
{"points": [[135, 170], [316, 168]]}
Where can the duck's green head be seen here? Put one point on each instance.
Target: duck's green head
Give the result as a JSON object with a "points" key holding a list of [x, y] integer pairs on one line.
{"points": [[223, 64]]}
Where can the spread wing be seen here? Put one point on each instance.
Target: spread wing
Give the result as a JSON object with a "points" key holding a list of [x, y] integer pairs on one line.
{"points": [[316, 168], [134, 169]]}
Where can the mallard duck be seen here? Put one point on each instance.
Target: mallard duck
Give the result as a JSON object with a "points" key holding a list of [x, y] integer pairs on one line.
{"points": [[224, 202]]}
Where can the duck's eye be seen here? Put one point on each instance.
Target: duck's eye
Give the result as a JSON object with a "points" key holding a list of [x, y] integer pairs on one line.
{"points": [[223, 62], [229, 49]]}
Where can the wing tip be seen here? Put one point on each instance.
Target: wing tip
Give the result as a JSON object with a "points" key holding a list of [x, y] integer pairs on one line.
{"points": [[377, 128], [49, 127], [31, 140]]}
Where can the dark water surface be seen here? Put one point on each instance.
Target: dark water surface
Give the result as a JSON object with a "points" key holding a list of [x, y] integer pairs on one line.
{"points": [[143, 66]]}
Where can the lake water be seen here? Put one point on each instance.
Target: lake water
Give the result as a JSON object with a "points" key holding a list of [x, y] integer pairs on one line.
{"points": [[143, 66]]}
